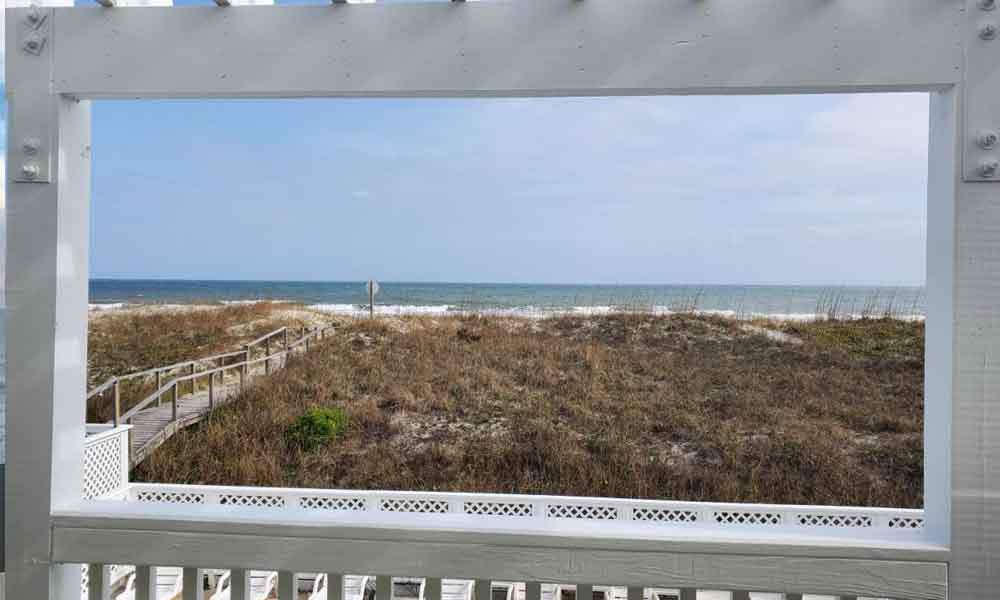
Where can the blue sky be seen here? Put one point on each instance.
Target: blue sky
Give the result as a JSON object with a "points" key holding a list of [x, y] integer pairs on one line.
{"points": [[767, 190], [808, 189]]}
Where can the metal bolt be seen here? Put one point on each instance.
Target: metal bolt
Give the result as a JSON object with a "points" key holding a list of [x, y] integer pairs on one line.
{"points": [[34, 15], [988, 169], [30, 170], [988, 140], [988, 31], [987, 4], [30, 146], [33, 43]]}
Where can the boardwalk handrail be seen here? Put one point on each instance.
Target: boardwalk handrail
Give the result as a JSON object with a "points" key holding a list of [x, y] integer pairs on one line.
{"points": [[245, 364], [243, 367], [119, 378]]}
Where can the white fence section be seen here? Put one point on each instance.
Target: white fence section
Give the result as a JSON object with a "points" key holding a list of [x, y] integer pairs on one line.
{"points": [[541, 509], [105, 461], [106, 478]]}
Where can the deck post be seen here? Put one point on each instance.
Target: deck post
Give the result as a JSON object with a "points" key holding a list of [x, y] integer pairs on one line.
{"points": [[48, 223], [239, 584], [335, 588], [288, 585], [193, 586], [145, 583], [98, 582]]}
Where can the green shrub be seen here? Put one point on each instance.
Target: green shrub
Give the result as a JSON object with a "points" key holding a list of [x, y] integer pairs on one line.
{"points": [[316, 428]]}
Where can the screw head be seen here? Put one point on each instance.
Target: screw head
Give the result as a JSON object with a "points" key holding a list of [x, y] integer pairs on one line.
{"points": [[988, 140], [30, 170], [33, 43], [988, 31], [988, 169], [31, 146], [987, 4]]}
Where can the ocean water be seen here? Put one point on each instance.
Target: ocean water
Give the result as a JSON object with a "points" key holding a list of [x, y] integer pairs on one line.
{"points": [[792, 302]]}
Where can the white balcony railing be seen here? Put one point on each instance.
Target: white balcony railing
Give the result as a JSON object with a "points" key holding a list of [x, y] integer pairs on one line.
{"points": [[249, 542]]}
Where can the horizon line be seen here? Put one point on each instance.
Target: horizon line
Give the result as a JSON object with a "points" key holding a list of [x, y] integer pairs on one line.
{"points": [[537, 283]]}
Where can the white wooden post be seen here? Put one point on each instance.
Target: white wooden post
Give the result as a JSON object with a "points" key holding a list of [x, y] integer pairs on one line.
{"points": [[383, 587], [335, 588], [288, 585], [99, 582], [145, 583], [48, 207], [484, 589], [193, 584], [432, 589], [239, 585]]}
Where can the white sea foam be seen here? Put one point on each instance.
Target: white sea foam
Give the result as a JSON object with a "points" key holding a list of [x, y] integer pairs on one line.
{"points": [[257, 301], [541, 312], [110, 306]]}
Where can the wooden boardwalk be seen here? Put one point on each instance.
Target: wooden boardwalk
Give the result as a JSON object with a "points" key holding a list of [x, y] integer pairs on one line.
{"points": [[168, 410], [155, 425]]}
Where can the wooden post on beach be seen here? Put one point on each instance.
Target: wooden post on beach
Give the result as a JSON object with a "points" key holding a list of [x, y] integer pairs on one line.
{"points": [[372, 290], [118, 402], [173, 402], [211, 391], [285, 336], [159, 383], [267, 356], [193, 382]]}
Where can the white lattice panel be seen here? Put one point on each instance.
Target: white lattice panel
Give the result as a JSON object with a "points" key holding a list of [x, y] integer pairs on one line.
{"points": [[906, 523], [582, 511], [732, 517], [653, 513], [332, 503], [254, 500], [104, 470], [828, 520], [167, 497], [499, 509], [664, 515], [414, 505]]}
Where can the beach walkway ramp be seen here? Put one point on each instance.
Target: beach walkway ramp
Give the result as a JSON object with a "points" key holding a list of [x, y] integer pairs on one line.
{"points": [[187, 391]]}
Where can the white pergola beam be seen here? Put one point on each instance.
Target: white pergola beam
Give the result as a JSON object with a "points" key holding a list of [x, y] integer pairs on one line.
{"points": [[537, 48]]}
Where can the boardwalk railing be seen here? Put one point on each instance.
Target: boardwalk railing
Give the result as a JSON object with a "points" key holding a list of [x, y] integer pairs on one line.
{"points": [[242, 363], [113, 384]]}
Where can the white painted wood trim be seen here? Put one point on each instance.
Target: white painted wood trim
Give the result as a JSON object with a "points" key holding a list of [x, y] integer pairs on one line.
{"points": [[520, 48], [526, 48], [129, 521]]}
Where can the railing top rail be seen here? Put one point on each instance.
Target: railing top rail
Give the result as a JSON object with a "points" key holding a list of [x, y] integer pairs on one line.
{"points": [[145, 402], [266, 337], [232, 517], [111, 381], [528, 499]]}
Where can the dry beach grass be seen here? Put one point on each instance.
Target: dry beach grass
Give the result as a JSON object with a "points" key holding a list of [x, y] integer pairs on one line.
{"points": [[629, 405]]}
